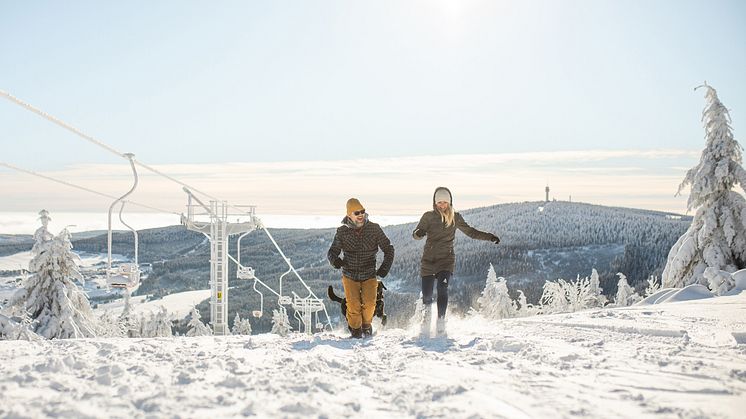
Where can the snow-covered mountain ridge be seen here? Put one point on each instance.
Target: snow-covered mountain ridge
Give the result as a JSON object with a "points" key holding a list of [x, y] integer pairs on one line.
{"points": [[540, 241], [684, 359]]}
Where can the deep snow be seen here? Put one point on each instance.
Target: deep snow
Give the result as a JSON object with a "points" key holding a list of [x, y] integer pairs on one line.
{"points": [[682, 359]]}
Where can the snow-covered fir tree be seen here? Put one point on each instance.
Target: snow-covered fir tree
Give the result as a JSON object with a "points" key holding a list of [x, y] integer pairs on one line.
{"points": [[241, 326], [57, 306], [523, 308], [569, 296], [553, 298], [7, 328], [12, 330], [578, 293], [625, 295], [495, 302], [717, 236], [280, 322], [195, 326], [653, 286], [130, 323], [719, 282], [163, 325], [110, 326], [595, 297], [42, 234], [156, 324]]}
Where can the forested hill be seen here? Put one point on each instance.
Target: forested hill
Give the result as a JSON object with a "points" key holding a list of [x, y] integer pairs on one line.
{"points": [[545, 241], [540, 241]]}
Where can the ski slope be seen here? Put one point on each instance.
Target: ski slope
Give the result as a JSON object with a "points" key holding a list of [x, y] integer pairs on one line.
{"points": [[682, 359], [178, 304]]}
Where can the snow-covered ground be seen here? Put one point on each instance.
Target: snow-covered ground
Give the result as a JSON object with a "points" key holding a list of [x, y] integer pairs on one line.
{"points": [[178, 304], [19, 261], [681, 359]]}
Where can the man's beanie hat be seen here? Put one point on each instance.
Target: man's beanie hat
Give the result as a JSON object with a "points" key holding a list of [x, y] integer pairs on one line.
{"points": [[441, 194], [353, 205]]}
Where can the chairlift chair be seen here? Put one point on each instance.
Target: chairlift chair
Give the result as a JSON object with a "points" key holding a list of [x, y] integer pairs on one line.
{"points": [[126, 275], [245, 272], [258, 313]]}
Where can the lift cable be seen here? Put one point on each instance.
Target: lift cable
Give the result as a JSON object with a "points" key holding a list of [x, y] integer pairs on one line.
{"points": [[97, 142], [83, 188]]}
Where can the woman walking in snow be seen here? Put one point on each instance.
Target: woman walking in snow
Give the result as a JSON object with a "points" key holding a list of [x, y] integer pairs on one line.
{"points": [[438, 258]]}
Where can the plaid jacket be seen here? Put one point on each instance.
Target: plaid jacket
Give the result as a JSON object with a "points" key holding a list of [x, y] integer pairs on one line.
{"points": [[359, 247]]}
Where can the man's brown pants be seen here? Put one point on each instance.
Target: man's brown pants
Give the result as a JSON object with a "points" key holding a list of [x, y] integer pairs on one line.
{"points": [[361, 301]]}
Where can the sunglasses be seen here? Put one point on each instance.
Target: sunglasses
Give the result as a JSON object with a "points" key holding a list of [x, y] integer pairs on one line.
{"points": [[361, 212]]}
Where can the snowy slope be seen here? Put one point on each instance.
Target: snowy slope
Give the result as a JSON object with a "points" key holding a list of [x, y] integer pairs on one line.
{"points": [[178, 304], [15, 262], [682, 359], [21, 260]]}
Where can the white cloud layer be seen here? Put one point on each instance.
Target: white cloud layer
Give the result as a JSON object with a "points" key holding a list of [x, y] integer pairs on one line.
{"points": [[393, 186]]}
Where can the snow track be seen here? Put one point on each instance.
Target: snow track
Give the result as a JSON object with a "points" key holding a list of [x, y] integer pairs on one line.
{"points": [[603, 363]]}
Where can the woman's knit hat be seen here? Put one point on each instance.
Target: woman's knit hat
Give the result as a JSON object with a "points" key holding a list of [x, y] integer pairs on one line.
{"points": [[442, 194], [353, 205]]}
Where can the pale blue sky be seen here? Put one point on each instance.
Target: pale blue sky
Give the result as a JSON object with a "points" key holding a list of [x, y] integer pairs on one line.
{"points": [[195, 82], [186, 82]]}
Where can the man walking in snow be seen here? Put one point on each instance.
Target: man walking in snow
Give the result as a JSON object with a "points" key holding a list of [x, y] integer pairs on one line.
{"points": [[359, 240]]}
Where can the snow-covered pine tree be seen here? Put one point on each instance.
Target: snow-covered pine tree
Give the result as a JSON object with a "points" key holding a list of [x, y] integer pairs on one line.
{"points": [[523, 308], [42, 234], [110, 326], [58, 308], [578, 293], [155, 324], [241, 326], [625, 295], [280, 322], [7, 328], [25, 329], [595, 296], [495, 302], [553, 298], [11, 330], [196, 327], [130, 322], [719, 282], [162, 324], [146, 322], [717, 236], [653, 286]]}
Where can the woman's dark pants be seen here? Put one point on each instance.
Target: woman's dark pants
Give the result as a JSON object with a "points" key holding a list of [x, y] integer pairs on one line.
{"points": [[442, 278]]}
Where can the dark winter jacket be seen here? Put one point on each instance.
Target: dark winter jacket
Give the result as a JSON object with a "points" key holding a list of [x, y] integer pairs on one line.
{"points": [[360, 246], [438, 255]]}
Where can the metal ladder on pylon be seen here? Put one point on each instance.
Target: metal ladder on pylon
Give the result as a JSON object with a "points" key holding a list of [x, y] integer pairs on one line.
{"points": [[218, 265]]}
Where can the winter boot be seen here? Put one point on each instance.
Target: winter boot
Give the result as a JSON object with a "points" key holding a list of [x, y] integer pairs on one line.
{"points": [[367, 330], [427, 311], [356, 333], [440, 327]]}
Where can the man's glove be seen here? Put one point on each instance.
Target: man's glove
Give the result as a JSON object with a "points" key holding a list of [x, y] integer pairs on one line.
{"points": [[495, 239], [418, 234], [337, 263]]}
